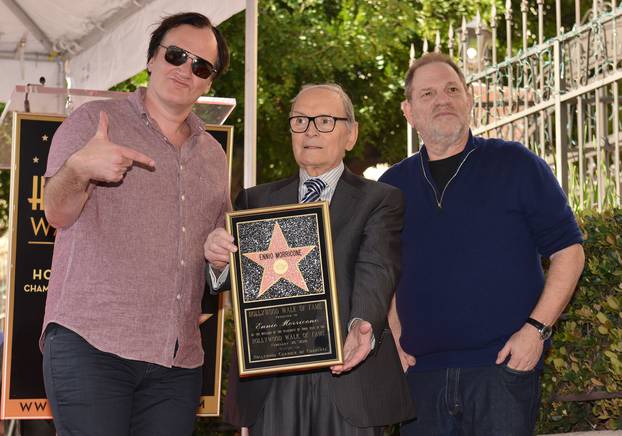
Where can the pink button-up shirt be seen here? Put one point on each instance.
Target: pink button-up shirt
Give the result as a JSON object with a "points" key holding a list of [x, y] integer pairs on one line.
{"points": [[128, 275]]}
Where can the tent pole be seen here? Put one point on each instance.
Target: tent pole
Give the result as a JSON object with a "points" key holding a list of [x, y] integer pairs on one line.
{"points": [[250, 96]]}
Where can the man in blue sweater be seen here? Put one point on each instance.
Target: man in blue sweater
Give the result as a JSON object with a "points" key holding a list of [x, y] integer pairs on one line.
{"points": [[475, 308]]}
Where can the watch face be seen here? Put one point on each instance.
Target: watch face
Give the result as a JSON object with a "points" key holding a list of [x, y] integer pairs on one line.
{"points": [[546, 332]]}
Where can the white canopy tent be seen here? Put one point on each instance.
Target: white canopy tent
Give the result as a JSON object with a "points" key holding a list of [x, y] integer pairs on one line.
{"points": [[98, 44], [103, 43]]}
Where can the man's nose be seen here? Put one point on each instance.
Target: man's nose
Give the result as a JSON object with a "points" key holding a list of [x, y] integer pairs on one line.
{"points": [[442, 98], [186, 67], [312, 130]]}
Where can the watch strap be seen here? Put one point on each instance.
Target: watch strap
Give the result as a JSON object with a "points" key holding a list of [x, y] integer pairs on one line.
{"points": [[544, 330], [537, 324]]}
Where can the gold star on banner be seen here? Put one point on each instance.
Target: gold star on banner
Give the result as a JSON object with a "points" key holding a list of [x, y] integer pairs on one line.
{"points": [[44, 138], [280, 261], [35, 159]]}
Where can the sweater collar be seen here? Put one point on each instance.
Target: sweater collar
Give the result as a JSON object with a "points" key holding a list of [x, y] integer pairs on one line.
{"points": [[470, 145]]}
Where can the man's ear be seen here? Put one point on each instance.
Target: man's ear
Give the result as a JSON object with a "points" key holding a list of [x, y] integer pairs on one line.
{"points": [[352, 136], [208, 86], [407, 111]]}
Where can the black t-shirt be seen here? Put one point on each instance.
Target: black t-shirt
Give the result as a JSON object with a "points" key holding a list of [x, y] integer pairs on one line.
{"points": [[443, 170]]}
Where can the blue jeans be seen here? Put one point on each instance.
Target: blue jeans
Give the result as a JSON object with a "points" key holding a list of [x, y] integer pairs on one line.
{"points": [[488, 401], [93, 393]]}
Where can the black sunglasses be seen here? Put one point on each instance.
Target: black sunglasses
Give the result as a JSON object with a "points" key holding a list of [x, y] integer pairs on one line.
{"points": [[178, 56]]}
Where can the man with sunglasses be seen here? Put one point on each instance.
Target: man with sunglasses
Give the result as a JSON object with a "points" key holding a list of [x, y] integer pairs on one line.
{"points": [[369, 390], [133, 187]]}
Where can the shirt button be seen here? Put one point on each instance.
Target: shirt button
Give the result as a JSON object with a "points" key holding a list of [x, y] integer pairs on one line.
{"points": [[178, 297], [182, 262], [183, 229], [183, 197], [181, 167]]}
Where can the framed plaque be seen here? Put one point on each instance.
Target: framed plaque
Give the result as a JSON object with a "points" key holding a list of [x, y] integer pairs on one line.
{"points": [[30, 260], [283, 289]]}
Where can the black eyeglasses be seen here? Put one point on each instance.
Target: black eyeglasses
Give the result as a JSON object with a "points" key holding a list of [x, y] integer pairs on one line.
{"points": [[322, 123], [178, 56]]}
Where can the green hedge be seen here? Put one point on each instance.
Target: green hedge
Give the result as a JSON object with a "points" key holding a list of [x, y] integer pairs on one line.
{"points": [[586, 356]]}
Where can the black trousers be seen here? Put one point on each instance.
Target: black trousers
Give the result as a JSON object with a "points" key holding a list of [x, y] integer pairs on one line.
{"points": [[93, 393], [301, 405]]}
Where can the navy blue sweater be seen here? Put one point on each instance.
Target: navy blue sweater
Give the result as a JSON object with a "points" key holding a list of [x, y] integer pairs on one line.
{"points": [[471, 271]]}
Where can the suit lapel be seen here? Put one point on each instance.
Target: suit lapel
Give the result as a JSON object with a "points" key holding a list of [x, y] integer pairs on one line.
{"points": [[344, 201], [285, 194]]}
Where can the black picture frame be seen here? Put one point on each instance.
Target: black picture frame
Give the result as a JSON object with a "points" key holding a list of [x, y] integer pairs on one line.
{"points": [[283, 289]]}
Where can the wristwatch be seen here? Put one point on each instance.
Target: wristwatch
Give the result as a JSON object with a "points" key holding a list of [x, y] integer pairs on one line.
{"points": [[544, 330]]}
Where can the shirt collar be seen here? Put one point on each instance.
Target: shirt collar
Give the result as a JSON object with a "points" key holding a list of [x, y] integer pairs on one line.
{"points": [[330, 177]]}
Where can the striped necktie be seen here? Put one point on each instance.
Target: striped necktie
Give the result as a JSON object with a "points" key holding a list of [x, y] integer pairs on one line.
{"points": [[314, 189]]}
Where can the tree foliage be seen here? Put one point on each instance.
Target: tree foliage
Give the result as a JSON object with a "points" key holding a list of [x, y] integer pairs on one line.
{"points": [[362, 45], [5, 177]]}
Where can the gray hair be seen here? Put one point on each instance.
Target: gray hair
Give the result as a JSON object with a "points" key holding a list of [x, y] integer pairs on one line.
{"points": [[430, 58], [337, 89]]}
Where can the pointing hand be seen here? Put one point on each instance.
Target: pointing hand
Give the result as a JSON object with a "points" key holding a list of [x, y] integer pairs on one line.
{"points": [[104, 161]]}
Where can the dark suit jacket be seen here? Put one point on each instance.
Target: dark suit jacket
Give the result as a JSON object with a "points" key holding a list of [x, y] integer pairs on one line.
{"points": [[366, 220]]}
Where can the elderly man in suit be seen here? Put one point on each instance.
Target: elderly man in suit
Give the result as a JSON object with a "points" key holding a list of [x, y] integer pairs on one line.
{"points": [[368, 391]]}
